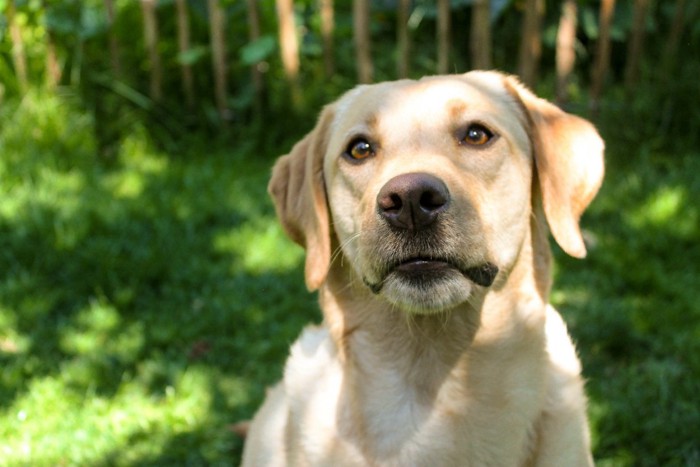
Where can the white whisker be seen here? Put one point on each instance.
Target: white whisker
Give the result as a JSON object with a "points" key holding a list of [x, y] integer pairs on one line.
{"points": [[338, 251]]}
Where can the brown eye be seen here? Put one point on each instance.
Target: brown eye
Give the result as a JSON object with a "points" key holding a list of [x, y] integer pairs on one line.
{"points": [[359, 149], [477, 135]]}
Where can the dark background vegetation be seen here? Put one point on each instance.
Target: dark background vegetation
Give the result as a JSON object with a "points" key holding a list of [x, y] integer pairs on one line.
{"points": [[148, 296]]}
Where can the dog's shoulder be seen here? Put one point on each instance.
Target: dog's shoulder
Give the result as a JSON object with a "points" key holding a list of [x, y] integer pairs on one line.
{"points": [[309, 356], [312, 369], [564, 416], [560, 348]]}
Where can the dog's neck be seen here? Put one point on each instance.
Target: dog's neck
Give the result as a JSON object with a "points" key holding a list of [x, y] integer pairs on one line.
{"points": [[370, 332], [365, 327], [418, 362]]}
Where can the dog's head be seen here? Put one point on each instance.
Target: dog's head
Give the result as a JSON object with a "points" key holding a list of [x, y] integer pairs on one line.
{"points": [[429, 185]]}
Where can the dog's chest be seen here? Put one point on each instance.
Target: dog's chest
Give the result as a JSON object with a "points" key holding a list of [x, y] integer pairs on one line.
{"points": [[454, 427], [382, 417]]}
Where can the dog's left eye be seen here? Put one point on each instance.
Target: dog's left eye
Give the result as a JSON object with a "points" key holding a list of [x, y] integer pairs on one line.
{"points": [[359, 149], [477, 135]]}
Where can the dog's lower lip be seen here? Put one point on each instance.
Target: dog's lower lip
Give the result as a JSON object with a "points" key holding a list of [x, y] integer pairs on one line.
{"points": [[482, 275], [422, 265]]}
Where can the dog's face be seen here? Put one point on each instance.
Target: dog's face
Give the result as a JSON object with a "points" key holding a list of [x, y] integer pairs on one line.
{"points": [[429, 184]]}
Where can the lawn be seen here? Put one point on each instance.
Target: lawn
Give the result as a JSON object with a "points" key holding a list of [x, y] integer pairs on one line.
{"points": [[145, 303]]}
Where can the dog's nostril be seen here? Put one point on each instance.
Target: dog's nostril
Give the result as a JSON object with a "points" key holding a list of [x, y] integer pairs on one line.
{"points": [[433, 199], [390, 202], [412, 201]]}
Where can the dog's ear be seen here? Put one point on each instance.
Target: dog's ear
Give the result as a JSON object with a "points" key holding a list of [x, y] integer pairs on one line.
{"points": [[299, 195], [568, 156]]}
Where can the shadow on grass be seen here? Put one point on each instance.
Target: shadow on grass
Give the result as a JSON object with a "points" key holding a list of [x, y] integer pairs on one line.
{"points": [[152, 301], [632, 307]]}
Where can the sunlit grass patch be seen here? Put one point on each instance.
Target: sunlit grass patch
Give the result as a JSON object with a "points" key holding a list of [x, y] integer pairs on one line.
{"points": [[260, 246], [53, 424], [125, 320], [670, 208], [11, 340], [98, 329], [44, 131], [632, 306]]}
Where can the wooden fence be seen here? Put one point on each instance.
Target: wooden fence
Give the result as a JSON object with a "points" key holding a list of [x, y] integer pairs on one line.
{"points": [[288, 33]]}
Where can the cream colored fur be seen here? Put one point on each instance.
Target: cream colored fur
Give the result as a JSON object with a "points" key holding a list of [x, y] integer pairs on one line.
{"points": [[452, 373]]}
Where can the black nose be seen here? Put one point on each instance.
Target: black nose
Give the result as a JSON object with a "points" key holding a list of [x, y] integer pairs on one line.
{"points": [[412, 201]]}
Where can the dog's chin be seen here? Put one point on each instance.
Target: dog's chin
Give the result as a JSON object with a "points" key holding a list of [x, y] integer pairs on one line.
{"points": [[424, 287], [427, 295]]}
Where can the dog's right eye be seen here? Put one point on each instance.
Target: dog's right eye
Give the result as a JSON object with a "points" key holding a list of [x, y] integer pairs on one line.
{"points": [[477, 135], [359, 149]]}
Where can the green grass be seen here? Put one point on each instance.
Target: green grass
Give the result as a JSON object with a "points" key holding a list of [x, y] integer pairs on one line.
{"points": [[633, 308], [146, 303]]}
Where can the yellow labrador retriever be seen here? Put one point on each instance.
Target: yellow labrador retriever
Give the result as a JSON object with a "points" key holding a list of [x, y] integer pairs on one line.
{"points": [[423, 207]]}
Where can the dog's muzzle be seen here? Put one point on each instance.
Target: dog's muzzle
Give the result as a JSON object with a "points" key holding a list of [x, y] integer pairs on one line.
{"points": [[411, 205]]}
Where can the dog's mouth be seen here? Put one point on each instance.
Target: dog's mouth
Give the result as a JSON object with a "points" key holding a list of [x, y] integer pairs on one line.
{"points": [[424, 270]]}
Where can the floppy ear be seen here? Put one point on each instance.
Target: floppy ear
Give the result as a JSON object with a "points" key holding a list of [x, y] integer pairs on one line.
{"points": [[298, 192], [568, 156]]}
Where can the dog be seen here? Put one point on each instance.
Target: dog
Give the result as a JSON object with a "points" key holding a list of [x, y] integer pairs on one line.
{"points": [[424, 208]]}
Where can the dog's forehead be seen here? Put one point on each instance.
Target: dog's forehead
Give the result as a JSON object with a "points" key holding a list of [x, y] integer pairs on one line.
{"points": [[432, 100]]}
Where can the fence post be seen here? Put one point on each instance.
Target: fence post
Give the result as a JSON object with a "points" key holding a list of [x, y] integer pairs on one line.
{"points": [[327, 27], [18, 57], [360, 20], [531, 42], [602, 57], [673, 41], [404, 44], [566, 52], [443, 36], [289, 48], [480, 39], [218, 49], [183, 42], [150, 31], [113, 41], [256, 75]]}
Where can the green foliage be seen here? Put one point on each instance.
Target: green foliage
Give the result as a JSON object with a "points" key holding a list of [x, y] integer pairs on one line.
{"points": [[80, 31], [632, 306], [145, 304], [259, 50]]}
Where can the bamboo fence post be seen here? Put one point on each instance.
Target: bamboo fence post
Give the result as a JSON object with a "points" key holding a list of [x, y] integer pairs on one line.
{"points": [[565, 49], [53, 69], [602, 58], [290, 49], [674, 40], [113, 40], [403, 38], [636, 43], [327, 30], [218, 49], [183, 43], [480, 38], [19, 58], [150, 30], [443, 36], [531, 42], [254, 34], [363, 55]]}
